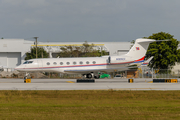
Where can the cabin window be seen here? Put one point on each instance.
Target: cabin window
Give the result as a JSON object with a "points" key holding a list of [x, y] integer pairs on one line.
{"points": [[54, 63], [68, 63], [80, 62], [87, 62], [74, 63], [61, 63], [94, 62], [48, 63]]}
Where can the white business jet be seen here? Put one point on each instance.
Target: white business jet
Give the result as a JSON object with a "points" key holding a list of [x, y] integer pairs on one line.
{"points": [[89, 67]]}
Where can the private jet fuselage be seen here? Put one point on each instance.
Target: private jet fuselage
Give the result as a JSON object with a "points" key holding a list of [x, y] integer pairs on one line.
{"points": [[89, 66], [76, 65]]}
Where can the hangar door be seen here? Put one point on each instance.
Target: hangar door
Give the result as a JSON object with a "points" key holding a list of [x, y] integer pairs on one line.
{"points": [[10, 59]]}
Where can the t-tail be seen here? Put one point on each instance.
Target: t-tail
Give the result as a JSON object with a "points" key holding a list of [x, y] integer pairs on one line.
{"points": [[139, 49]]}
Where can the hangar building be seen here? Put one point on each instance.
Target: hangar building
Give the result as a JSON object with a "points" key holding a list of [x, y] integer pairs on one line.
{"points": [[12, 51]]}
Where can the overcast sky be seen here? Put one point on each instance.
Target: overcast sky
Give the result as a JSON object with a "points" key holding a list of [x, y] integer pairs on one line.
{"points": [[88, 20]]}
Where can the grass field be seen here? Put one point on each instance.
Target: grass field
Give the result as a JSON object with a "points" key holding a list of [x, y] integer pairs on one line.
{"points": [[90, 105]]}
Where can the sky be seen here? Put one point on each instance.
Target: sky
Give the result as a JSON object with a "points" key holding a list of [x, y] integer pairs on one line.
{"points": [[88, 20]]}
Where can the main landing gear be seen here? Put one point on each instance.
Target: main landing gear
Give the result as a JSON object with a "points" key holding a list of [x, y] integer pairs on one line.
{"points": [[88, 78]]}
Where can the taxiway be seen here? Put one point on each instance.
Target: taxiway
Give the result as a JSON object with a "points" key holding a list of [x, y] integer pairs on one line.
{"points": [[100, 84]]}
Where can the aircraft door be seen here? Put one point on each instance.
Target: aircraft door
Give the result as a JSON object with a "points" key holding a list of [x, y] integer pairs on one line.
{"points": [[109, 60]]}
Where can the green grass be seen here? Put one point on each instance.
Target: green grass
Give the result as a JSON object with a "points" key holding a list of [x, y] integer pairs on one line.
{"points": [[90, 105]]}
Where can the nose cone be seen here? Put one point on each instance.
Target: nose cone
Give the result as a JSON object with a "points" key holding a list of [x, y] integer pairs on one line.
{"points": [[19, 68]]}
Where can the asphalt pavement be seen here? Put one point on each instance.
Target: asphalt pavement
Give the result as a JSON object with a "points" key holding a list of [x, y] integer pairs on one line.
{"points": [[99, 84]]}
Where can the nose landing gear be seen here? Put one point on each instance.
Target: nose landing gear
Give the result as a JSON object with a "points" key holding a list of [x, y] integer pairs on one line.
{"points": [[26, 80], [26, 76]]}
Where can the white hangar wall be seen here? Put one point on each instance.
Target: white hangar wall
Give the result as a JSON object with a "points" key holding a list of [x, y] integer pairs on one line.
{"points": [[12, 51], [118, 48]]}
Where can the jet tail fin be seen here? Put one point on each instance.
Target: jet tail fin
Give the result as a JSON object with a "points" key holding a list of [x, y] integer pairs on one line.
{"points": [[139, 49]]}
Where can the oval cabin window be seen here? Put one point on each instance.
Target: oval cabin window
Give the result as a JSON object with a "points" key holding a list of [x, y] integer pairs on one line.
{"points": [[68, 63], [94, 62], [74, 63], [48, 63], [61, 63], [80, 62], [87, 62], [54, 63]]}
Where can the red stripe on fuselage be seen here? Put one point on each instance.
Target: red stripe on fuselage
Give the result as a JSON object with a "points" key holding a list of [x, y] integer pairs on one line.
{"points": [[140, 59]]}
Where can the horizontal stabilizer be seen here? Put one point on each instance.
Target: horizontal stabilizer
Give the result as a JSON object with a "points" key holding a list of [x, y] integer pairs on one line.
{"points": [[147, 61]]}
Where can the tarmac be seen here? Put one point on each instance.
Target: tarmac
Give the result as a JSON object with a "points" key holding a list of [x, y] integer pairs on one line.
{"points": [[99, 84]]}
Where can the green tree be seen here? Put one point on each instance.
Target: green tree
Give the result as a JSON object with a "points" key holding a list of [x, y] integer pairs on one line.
{"points": [[165, 53], [86, 50], [70, 51], [41, 53], [132, 43]]}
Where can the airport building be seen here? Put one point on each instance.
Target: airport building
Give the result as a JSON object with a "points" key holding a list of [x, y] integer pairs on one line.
{"points": [[12, 51]]}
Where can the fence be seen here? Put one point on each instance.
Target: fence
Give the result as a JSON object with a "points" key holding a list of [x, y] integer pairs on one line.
{"points": [[139, 73], [158, 73]]}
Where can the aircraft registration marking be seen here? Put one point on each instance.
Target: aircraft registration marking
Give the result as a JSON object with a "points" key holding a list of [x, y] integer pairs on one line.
{"points": [[120, 58]]}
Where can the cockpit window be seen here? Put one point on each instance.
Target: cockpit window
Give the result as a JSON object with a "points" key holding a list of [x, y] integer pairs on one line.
{"points": [[28, 62]]}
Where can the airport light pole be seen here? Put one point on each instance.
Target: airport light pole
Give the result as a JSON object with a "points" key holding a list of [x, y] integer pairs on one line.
{"points": [[36, 46]]}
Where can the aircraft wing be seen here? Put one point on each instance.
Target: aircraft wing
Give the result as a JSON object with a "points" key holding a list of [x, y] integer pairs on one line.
{"points": [[99, 70]]}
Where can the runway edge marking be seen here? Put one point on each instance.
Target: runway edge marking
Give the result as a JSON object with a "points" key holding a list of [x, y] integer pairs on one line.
{"points": [[70, 81]]}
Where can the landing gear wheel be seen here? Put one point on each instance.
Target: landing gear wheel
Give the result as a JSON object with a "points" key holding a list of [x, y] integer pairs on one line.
{"points": [[97, 77], [89, 76], [86, 78]]}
